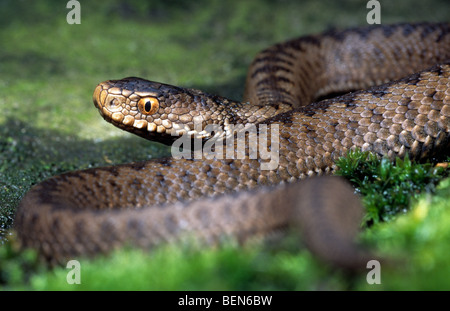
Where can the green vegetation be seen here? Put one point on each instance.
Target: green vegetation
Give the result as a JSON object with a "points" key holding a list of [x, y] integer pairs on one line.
{"points": [[176, 267], [416, 242], [386, 187], [419, 241], [48, 125]]}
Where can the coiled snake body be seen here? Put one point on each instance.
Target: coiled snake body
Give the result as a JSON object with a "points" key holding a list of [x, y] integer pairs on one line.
{"points": [[95, 210]]}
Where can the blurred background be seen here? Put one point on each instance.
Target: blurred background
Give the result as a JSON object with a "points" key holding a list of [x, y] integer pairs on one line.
{"points": [[51, 67]]}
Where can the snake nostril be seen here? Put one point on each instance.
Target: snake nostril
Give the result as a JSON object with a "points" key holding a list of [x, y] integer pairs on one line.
{"points": [[112, 103]]}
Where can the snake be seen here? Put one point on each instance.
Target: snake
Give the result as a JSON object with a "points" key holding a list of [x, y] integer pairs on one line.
{"points": [[382, 88]]}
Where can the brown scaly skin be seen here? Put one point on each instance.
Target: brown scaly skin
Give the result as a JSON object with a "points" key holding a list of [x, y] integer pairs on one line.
{"points": [[91, 211], [118, 100]]}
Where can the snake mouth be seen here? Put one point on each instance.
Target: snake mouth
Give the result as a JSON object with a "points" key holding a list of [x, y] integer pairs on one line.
{"points": [[123, 112], [139, 110]]}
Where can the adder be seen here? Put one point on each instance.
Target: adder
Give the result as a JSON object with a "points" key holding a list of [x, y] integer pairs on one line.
{"points": [[164, 200]]}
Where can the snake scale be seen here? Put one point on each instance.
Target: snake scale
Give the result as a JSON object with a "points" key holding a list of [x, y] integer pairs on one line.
{"points": [[158, 201]]}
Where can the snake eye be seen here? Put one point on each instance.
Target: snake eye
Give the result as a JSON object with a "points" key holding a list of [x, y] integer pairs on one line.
{"points": [[148, 105]]}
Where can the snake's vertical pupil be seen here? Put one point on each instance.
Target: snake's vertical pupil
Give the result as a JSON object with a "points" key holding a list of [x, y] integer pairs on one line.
{"points": [[148, 106]]}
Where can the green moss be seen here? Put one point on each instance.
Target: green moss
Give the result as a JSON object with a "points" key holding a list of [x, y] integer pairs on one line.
{"points": [[16, 267], [178, 267], [388, 187], [419, 243]]}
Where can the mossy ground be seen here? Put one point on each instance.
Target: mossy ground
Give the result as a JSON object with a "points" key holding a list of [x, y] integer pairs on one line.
{"points": [[48, 125]]}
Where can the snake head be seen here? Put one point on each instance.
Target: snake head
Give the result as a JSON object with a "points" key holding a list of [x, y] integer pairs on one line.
{"points": [[157, 111]]}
